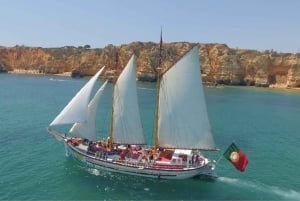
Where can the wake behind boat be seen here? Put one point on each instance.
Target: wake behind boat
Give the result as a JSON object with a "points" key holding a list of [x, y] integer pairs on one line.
{"points": [[182, 128]]}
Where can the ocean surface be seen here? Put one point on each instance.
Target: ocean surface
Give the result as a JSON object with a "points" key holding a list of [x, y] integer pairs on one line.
{"points": [[264, 123]]}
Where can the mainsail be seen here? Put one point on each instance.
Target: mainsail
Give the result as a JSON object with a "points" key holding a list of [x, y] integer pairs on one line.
{"points": [[182, 117], [76, 110], [127, 125], [88, 129]]}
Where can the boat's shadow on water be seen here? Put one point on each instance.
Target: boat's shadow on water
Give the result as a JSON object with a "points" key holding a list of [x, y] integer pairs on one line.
{"points": [[113, 184], [204, 178]]}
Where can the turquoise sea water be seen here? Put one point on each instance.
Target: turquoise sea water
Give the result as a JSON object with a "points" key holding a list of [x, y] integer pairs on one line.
{"points": [[264, 123]]}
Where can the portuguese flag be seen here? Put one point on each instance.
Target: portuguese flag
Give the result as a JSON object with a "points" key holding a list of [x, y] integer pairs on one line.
{"points": [[236, 157]]}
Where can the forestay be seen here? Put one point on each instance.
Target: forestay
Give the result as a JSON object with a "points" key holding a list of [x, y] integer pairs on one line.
{"points": [[76, 110], [127, 125], [88, 129], [183, 120]]}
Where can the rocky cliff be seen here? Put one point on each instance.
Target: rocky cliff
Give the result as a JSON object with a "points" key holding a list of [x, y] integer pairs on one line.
{"points": [[220, 64]]}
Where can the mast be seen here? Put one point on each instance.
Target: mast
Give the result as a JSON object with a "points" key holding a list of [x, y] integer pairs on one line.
{"points": [[112, 101], [157, 93]]}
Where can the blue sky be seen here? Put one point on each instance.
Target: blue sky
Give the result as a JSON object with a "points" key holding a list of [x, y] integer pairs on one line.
{"points": [[248, 24]]}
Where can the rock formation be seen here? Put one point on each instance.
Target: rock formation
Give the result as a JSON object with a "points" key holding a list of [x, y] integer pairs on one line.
{"points": [[219, 63]]}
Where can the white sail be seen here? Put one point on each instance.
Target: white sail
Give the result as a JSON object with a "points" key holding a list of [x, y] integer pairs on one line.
{"points": [[183, 120], [76, 110], [88, 129], [127, 126]]}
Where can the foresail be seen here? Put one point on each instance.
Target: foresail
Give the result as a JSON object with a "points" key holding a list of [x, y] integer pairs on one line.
{"points": [[76, 110], [183, 120], [88, 129], [127, 125]]}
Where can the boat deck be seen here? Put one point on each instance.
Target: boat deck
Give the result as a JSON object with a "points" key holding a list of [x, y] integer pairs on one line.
{"points": [[83, 147], [133, 161]]}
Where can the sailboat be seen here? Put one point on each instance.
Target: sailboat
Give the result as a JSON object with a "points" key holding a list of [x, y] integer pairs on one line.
{"points": [[182, 128]]}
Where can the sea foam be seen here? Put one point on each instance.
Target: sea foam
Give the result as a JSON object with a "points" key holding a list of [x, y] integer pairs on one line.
{"points": [[289, 194]]}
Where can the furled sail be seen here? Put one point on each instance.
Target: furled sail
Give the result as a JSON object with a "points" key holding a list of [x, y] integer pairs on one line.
{"points": [[88, 129], [76, 110], [183, 120], [127, 125]]}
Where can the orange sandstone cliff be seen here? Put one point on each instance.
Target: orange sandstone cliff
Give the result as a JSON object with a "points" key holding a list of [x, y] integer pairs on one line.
{"points": [[219, 63]]}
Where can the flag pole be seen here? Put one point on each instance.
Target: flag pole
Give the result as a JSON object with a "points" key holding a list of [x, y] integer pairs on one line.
{"points": [[219, 158]]}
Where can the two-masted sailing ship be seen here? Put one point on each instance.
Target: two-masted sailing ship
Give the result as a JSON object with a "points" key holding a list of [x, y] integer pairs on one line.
{"points": [[182, 128]]}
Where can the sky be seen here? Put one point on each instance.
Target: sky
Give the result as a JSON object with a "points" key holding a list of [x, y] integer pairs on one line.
{"points": [[246, 24]]}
